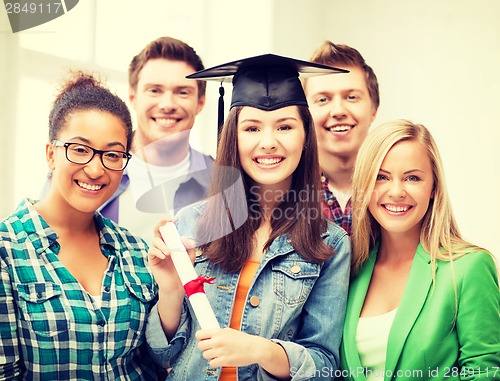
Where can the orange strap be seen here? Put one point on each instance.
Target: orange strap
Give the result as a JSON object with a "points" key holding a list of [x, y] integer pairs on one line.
{"points": [[244, 283]]}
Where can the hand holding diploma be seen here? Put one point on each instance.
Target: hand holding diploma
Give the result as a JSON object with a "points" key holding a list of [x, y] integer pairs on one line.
{"points": [[191, 282]]}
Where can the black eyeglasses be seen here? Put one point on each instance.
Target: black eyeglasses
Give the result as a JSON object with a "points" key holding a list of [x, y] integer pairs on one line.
{"points": [[78, 153]]}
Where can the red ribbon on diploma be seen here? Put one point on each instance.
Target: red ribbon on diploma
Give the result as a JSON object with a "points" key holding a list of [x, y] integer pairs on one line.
{"points": [[196, 285]]}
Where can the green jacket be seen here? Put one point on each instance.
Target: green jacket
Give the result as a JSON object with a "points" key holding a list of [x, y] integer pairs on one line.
{"points": [[425, 341]]}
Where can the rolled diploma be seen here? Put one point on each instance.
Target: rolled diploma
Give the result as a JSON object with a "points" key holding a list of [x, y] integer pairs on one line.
{"points": [[180, 258]]}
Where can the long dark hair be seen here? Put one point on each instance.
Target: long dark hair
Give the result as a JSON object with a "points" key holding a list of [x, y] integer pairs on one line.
{"points": [[298, 216]]}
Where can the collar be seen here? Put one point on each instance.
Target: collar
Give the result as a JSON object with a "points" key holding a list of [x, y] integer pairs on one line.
{"points": [[35, 229], [324, 181], [412, 301], [200, 167], [282, 245], [32, 226]]}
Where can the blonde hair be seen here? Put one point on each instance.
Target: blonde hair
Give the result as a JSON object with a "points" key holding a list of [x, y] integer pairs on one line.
{"points": [[439, 236]]}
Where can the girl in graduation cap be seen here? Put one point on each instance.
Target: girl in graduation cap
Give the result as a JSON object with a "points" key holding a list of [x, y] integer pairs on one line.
{"points": [[280, 270]]}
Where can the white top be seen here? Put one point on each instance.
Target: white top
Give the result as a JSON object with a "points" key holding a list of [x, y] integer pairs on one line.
{"points": [[97, 301], [372, 334], [143, 177]]}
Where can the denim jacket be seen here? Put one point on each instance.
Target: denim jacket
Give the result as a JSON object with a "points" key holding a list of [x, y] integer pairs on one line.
{"points": [[303, 311]]}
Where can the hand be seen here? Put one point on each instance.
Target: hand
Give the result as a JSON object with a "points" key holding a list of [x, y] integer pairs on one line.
{"points": [[171, 292], [229, 347], [161, 262], [156, 230]]}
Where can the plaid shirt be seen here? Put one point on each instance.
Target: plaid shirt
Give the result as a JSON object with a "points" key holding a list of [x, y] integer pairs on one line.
{"points": [[50, 327], [332, 209]]}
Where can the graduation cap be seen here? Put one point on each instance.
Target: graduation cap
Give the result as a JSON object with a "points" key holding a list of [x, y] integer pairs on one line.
{"points": [[267, 82]]}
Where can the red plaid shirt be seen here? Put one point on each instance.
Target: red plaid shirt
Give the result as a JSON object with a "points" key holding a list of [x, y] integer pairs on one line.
{"points": [[332, 209]]}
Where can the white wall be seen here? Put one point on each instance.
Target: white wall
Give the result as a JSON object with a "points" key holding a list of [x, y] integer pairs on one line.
{"points": [[436, 62]]}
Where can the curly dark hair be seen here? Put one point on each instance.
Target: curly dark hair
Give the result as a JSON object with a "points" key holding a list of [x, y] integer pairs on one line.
{"points": [[82, 91]]}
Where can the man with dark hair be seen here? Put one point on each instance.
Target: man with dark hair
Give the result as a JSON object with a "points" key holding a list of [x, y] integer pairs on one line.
{"points": [[165, 173], [343, 106]]}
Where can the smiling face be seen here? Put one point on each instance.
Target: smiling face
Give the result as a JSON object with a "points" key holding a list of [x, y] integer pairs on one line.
{"points": [[270, 145], [85, 187], [165, 102], [403, 189], [342, 111]]}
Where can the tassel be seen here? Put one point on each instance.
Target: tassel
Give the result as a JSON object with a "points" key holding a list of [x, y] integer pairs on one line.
{"points": [[220, 116]]}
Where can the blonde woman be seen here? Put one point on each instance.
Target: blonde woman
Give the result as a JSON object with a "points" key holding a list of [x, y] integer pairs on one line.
{"points": [[423, 303]]}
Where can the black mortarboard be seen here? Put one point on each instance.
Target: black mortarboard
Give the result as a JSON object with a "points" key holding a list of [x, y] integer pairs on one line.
{"points": [[267, 82]]}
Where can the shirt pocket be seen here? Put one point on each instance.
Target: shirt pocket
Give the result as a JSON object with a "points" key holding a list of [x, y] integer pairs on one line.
{"points": [[141, 296], [293, 280], [42, 308]]}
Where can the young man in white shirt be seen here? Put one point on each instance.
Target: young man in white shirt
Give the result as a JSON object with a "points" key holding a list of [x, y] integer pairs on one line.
{"points": [[165, 173]]}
